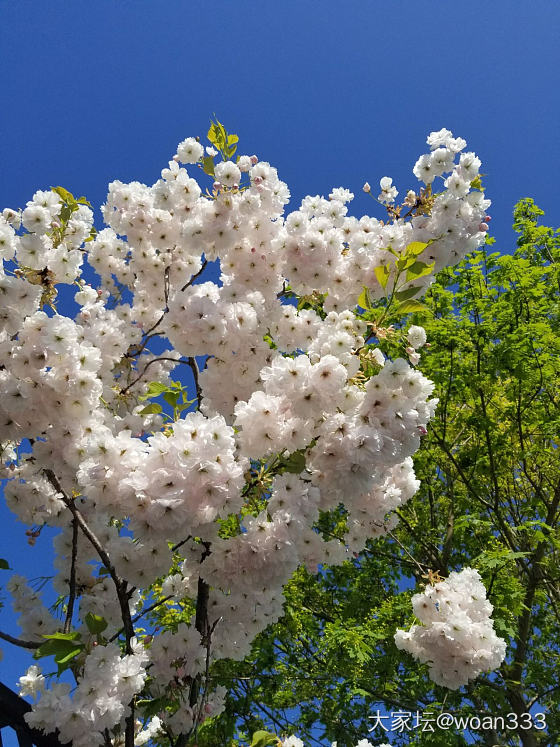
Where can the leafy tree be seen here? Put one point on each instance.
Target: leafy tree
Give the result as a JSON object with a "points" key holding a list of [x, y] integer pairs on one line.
{"points": [[489, 499]]}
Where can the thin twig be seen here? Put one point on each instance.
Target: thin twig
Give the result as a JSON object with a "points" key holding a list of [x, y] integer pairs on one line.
{"points": [[154, 360], [141, 614], [421, 566], [72, 592], [194, 368], [195, 276], [181, 543], [18, 642]]}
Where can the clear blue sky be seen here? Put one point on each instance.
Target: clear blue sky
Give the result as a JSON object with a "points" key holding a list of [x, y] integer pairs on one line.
{"points": [[332, 93]]}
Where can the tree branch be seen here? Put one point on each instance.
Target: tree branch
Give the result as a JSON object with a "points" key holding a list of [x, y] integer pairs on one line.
{"points": [[18, 642], [12, 713], [72, 592], [120, 586]]}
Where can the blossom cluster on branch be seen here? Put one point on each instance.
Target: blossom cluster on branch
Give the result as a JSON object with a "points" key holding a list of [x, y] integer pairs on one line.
{"points": [[294, 411], [457, 637]]}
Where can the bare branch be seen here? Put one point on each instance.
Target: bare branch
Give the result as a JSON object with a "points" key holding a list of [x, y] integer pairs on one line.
{"points": [[72, 584], [195, 276], [18, 642]]}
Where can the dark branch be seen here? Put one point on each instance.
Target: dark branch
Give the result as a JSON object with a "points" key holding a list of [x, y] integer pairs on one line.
{"points": [[12, 713], [72, 592]]}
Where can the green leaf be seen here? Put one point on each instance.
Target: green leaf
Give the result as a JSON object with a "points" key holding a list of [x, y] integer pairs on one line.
{"points": [[152, 409], [155, 388], [83, 201], [4, 565], [67, 657], [217, 135], [208, 165], [404, 295], [477, 183], [360, 693], [171, 398], [63, 647], [415, 248], [295, 463], [154, 706], [95, 623], [407, 307], [363, 299], [419, 270], [382, 274], [64, 194], [74, 635], [263, 739]]}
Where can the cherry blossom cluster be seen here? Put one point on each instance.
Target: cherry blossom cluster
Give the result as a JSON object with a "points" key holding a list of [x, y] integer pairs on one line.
{"points": [[286, 422], [457, 637]]}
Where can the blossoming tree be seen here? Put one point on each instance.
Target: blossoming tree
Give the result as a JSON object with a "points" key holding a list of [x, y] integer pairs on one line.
{"points": [[201, 494]]}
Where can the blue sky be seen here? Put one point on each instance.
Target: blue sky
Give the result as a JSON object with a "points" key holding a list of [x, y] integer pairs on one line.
{"points": [[332, 93]]}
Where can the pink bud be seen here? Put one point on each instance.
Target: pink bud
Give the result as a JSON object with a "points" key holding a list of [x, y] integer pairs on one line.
{"points": [[253, 250], [216, 185], [422, 430], [487, 218], [366, 188], [254, 160], [483, 227], [257, 180]]}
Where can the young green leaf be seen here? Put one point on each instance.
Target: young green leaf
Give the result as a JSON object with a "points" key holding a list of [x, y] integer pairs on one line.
{"points": [[404, 295], [477, 183], [171, 398], [382, 274], [407, 307], [95, 623], [264, 739], [155, 388], [64, 194], [363, 299], [208, 165], [152, 409], [416, 248], [418, 270], [295, 463]]}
